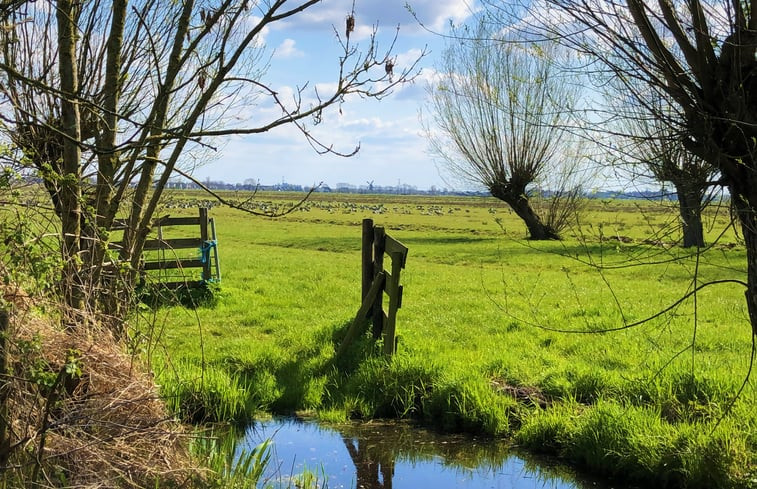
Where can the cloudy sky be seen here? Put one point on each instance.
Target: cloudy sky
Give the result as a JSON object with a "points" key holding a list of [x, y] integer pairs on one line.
{"points": [[305, 50]]}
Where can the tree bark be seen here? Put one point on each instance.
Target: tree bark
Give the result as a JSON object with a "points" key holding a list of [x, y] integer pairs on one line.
{"points": [[519, 203], [106, 138], [690, 207], [70, 184], [140, 216], [748, 219]]}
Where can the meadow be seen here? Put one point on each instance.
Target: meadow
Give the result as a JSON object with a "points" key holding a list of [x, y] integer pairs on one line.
{"points": [[541, 342]]}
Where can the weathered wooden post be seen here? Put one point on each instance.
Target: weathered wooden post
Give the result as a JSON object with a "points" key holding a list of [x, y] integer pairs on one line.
{"points": [[379, 246], [376, 281], [394, 290], [367, 256], [215, 248], [205, 246], [377, 288]]}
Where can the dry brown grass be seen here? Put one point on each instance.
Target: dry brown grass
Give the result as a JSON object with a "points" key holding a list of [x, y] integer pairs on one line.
{"points": [[104, 427]]}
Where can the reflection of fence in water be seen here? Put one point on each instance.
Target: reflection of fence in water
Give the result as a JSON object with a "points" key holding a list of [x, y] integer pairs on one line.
{"points": [[376, 448], [390, 454], [172, 259], [374, 468]]}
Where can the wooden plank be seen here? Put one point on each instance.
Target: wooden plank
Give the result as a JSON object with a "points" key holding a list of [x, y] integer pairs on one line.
{"points": [[367, 256], [390, 288], [164, 244], [172, 264], [362, 313], [393, 246], [204, 237], [378, 266], [389, 281], [180, 221], [121, 224], [393, 287], [171, 244], [215, 248]]}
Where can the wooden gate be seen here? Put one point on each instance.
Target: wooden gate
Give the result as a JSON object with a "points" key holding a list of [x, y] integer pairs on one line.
{"points": [[375, 282], [173, 257]]}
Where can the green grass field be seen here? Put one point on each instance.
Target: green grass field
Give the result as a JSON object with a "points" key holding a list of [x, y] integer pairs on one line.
{"points": [[482, 342]]}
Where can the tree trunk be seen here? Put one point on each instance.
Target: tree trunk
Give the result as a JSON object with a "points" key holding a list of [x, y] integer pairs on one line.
{"points": [[748, 219], [690, 207], [106, 139], [70, 186], [518, 202]]}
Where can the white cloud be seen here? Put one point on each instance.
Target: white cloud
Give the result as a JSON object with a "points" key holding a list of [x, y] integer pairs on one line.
{"points": [[326, 88], [284, 154], [366, 123], [408, 58], [434, 14], [391, 149], [288, 49], [389, 132]]}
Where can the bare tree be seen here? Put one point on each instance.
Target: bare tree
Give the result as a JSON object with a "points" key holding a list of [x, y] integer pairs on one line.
{"points": [[105, 99], [656, 150], [500, 109], [700, 56]]}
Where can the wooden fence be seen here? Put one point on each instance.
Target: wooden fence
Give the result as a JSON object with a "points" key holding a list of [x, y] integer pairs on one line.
{"points": [[375, 282], [171, 258]]}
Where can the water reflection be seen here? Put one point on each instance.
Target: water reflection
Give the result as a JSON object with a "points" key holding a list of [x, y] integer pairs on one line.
{"points": [[379, 455], [374, 466]]}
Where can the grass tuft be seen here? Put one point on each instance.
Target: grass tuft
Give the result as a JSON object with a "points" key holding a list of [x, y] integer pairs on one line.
{"points": [[211, 395]]}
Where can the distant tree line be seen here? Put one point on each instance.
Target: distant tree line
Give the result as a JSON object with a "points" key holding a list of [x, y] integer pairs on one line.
{"points": [[342, 188], [661, 194]]}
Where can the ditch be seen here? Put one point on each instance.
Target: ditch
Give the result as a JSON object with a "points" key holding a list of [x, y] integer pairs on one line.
{"points": [[399, 455]]}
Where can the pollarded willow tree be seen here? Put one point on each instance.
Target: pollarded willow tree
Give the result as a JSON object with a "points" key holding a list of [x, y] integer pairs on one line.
{"points": [[500, 110], [701, 56], [655, 149], [105, 99]]}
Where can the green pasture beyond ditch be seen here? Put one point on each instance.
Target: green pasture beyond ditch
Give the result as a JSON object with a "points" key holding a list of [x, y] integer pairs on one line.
{"points": [[478, 348]]}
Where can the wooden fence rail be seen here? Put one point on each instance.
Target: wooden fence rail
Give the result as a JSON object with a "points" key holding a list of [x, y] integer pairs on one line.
{"points": [[375, 282], [163, 252]]}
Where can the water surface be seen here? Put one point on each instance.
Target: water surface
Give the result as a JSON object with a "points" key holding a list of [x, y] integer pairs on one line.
{"points": [[391, 455]]}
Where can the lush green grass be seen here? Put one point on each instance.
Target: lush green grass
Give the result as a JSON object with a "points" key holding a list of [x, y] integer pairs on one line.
{"points": [[479, 350]]}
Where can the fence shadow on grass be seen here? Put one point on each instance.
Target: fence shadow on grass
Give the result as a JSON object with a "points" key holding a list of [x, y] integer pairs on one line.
{"points": [[300, 381], [359, 350]]}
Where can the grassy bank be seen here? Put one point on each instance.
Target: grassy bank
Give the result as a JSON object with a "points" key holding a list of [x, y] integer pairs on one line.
{"points": [[479, 350]]}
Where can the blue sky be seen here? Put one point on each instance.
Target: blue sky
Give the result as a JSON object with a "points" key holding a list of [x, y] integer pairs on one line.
{"points": [[390, 134]]}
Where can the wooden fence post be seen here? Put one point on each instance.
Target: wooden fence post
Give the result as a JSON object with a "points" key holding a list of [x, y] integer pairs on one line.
{"points": [[394, 290], [377, 288], [215, 248], [379, 245], [375, 282], [367, 255], [205, 251]]}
